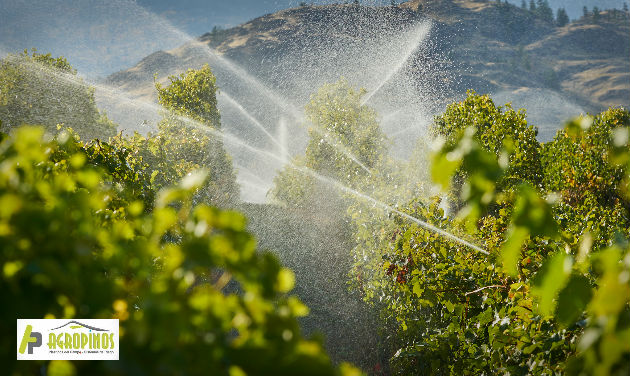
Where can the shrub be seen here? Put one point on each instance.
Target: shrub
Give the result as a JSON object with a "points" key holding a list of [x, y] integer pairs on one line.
{"points": [[187, 138], [345, 143], [190, 290], [548, 292], [496, 129]]}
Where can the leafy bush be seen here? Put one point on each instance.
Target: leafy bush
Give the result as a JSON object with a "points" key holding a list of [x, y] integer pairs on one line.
{"points": [[548, 293], [594, 191], [187, 139], [190, 290], [345, 143], [496, 129]]}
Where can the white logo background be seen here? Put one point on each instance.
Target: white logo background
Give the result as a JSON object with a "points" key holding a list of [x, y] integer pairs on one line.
{"points": [[88, 339]]}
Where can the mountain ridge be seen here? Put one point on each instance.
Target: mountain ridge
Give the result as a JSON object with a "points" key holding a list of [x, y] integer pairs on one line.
{"points": [[482, 46]]}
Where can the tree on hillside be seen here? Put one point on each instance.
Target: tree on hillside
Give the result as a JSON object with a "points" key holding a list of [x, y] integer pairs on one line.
{"points": [[625, 7], [544, 11], [585, 12], [596, 14], [523, 4], [192, 95], [562, 17], [40, 89], [532, 6]]}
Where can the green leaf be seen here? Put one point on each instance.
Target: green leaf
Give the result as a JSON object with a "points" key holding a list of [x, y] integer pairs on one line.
{"points": [[550, 279], [194, 179], [286, 280], [449, 306], [534, 213], [417, 289], [443, 168], [573, 299], [511, 249]]}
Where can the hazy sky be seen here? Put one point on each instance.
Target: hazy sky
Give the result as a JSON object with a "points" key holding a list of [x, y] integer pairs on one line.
{"points": [[100, 37]]}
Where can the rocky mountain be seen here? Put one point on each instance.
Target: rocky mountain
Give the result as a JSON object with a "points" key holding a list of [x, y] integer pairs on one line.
{"points": [[497, 48]]}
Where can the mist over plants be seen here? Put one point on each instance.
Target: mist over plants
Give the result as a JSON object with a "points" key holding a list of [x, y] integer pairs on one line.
{"points": [[337, 189]]}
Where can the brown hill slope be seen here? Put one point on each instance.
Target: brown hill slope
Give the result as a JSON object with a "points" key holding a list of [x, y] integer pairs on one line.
{"points": [[480, 45]]}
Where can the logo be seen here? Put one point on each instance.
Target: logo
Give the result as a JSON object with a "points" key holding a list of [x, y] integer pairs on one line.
{"points": [[31, 339], [67, 339]]}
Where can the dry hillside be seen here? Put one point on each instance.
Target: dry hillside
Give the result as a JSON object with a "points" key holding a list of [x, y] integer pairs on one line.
{"points": [[481, 45]]}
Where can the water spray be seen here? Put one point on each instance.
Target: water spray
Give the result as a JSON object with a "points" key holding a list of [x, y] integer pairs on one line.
{"points": [[423, 31], [280, 160], [253, 120]]}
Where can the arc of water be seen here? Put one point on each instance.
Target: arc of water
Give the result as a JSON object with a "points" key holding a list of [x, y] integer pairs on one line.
{"points": [[282, 103], [391, 115], [404, 130], [248, 172], [253, 120], [283, 136], [335, 143], [377, 203], [423, 31], [252, 184], [328, 137], [344, 188], [281, 161]]}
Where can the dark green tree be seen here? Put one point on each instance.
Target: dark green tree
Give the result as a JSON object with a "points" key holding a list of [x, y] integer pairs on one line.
{"points": [[544, 11], [596, 14], [562, 17]]}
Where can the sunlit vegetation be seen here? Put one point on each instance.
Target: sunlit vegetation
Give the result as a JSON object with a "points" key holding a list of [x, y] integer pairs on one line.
{"points": [[551, 295], [88, 230], [532, 279]]}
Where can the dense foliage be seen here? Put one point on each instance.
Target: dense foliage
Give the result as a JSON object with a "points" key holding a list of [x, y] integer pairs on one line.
{"points": [[548, 292], [187, 138], [39, 89], [579, 166], [520, 265], [187, 283], [496, 129], [123, 229]]}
